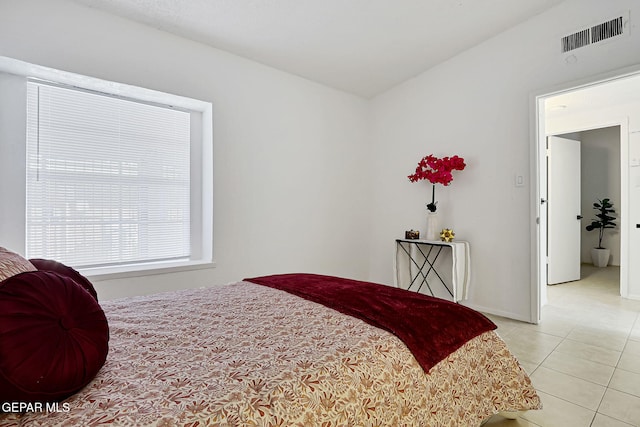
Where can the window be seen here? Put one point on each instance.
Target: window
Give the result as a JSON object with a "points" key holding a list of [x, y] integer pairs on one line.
{"points": [[115, 183]]}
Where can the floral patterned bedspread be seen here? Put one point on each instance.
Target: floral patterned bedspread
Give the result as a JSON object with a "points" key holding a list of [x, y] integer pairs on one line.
{"points": [[248, 355]]}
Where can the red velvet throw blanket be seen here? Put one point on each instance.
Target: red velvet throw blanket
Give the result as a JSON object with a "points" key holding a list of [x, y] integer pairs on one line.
{"points": [[430, 327]]}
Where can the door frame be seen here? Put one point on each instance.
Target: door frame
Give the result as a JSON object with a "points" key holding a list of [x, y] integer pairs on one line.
{"points": [[538, 167]]}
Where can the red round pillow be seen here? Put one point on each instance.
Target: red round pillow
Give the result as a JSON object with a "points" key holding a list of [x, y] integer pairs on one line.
{"points": [[57, 267], [54, 337]]}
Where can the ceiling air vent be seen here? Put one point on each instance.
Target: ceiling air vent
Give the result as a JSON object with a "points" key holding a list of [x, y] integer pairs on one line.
{"points": [[597, 33], [576, 40]]}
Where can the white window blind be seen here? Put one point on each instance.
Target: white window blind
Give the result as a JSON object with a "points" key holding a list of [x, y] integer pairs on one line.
{"points": [[108, 179]]}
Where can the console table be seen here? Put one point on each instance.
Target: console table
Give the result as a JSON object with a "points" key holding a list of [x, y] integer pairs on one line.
{"points": [[419, 263]]}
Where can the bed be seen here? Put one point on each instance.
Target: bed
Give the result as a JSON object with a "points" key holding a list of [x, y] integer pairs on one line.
{"points": [[253, 353]]}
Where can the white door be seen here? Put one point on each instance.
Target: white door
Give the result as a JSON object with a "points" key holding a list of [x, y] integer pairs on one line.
{"points": [[563, 229]]}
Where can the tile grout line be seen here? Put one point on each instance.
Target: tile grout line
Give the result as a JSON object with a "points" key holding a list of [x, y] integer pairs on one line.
{"points": [[576, 324]]}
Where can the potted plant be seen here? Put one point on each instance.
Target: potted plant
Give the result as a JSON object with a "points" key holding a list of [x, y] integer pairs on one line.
{"points": [[604, 209]]}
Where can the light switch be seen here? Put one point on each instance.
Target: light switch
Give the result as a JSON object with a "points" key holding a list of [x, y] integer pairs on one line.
{"points": [[519, 181]]}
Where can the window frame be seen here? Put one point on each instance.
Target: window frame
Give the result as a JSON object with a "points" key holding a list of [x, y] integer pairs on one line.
{"points": [[201, 166]]}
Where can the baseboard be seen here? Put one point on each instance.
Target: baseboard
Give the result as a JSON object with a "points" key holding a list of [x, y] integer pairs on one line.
{"points": [[507, 314]]}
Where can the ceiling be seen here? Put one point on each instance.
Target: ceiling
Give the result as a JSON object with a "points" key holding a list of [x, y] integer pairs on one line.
{"points": [[360, 46]]}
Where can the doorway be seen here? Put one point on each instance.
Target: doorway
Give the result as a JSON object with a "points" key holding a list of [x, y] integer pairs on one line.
{"points": [[607, 102], [583, 169]]}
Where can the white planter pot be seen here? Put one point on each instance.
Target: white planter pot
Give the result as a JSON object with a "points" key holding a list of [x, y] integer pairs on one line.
{"points": [[600, 257]]}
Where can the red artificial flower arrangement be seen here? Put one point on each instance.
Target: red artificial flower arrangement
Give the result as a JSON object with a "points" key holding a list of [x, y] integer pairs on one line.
{"points": [[437, 171]]}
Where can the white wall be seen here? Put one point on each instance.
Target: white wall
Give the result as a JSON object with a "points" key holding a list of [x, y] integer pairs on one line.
{"points": [[289, 154], [600, 164], [479, 105], [13, 104]]}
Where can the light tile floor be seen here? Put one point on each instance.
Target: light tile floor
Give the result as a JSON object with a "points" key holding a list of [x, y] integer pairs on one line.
{"points": [[584, 356]]}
